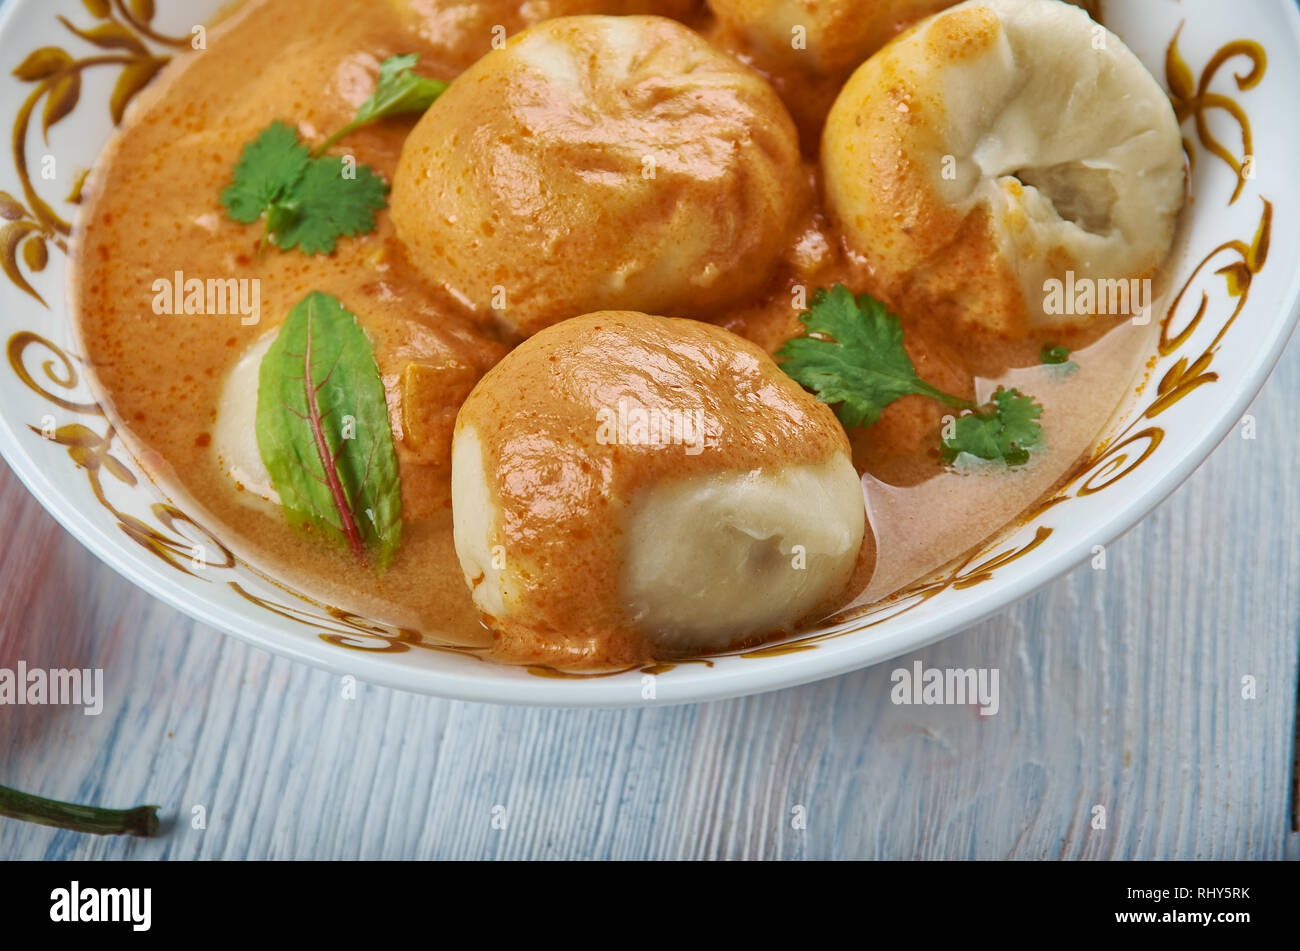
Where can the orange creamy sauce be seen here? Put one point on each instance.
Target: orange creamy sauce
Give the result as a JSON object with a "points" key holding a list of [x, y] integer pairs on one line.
{"points": [[152, 209]]}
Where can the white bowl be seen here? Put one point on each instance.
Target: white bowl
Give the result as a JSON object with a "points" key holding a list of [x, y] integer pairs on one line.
{"points": [[1233, 307]]}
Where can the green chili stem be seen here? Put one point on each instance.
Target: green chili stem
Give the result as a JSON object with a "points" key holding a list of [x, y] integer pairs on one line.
{"points": [[141, 821]]}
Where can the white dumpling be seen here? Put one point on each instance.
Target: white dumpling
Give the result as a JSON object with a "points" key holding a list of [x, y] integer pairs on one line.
{"points": [[820, 35], [457, 32], [626, 485], [234, 436], [1001, 145], [597, 163]]}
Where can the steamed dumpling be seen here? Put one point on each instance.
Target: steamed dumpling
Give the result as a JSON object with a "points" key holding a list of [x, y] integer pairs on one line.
{"points": [[460, 31], [995, 148], [626, 485], [823, 35], [234, 435], [599, 163]]}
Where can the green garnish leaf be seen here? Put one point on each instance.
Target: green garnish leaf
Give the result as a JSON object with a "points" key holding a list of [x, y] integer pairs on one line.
{"points": [[400, 90], [853, 359], [1003, 430], [269, 167], [1054, 355], [856, 361], [325, 205], [324, 433], [308, 203]]}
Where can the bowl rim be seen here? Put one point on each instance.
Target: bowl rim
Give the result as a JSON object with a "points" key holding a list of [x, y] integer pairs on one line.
{"points": [[503, 684]]}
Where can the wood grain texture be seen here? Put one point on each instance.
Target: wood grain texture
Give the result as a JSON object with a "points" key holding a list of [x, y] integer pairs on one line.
{"points": [[1119, 688]]}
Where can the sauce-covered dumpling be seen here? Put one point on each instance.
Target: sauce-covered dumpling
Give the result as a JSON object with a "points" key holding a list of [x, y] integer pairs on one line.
{"points": [[823, 35], [1000, 146], [627, 486], [599, 163], [460, 31]]}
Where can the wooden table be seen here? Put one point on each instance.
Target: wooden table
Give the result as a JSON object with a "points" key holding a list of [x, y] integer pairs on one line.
{"points": [[1120, 688]]}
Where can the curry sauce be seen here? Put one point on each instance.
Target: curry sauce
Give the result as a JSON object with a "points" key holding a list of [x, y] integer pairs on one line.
{"points": [[151, 211]]}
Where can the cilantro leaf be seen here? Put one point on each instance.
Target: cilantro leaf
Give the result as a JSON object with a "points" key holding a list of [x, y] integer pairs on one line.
{"points": [[1003, 430], [324, 433], [268, 167], [325, 205], [856, 361], [306, 199], [1054, 355], [308, 203], [853, 358], [400, 90]]}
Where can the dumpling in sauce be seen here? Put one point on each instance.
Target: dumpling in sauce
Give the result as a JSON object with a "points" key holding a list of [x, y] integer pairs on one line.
{"points": [[460, 31], [823, 35], [627, 486], [1001, 145], [600, 163]]}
